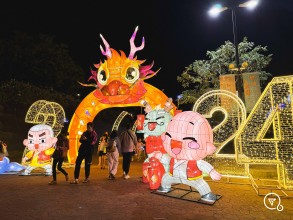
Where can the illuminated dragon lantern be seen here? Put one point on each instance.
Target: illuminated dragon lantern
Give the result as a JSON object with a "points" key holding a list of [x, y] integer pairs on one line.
{"points": [[119, 79]]}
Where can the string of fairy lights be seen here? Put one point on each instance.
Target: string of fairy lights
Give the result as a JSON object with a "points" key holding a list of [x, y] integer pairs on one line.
{"points": [[233, 114], [46, 112], [266, 137]]}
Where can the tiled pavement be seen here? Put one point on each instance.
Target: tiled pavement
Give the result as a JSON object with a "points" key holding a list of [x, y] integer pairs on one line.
{"points": [[30, 197]]}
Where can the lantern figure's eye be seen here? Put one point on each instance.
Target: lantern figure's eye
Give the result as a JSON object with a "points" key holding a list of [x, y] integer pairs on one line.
{"points": [[101, 76], [132, 74]]}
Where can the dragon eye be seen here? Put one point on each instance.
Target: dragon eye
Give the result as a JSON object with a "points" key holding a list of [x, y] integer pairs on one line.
{"points": [[132, 74], [102, 77]]}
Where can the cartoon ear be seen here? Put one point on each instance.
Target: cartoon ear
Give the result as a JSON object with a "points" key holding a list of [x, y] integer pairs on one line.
{"points": [[54, 140], [25, 141], [210, 148]]}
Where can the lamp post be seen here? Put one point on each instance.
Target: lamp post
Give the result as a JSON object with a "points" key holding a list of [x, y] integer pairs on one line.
{"points": [[214, 12]]}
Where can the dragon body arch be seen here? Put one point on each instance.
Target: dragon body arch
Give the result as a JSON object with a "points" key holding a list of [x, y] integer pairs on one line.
{"points": [[119, 83]]}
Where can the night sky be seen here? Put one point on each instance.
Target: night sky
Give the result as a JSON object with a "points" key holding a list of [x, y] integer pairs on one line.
{"points": [[176, 32]]}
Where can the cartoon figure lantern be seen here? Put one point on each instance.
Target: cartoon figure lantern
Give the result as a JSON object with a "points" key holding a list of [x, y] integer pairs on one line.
{"points": [[189, 139], [40, 142], [119, 79], [158, 160]]}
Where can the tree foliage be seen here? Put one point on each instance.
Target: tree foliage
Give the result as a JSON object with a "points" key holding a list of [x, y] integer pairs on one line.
{"points": [[40, 61], [203, 75], [23, 95]]}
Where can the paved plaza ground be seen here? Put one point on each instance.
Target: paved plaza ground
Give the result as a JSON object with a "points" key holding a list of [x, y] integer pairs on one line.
{"points": [[30, 197]]}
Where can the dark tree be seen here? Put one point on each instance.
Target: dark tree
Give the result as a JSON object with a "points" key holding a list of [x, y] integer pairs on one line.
{"points": [[39, 60]]}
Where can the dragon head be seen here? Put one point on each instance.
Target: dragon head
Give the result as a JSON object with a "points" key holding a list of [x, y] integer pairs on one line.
{"points": [[119, 79]]}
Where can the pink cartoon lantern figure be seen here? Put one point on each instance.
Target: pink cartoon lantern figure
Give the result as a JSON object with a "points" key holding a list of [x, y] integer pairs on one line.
{"points": [[188, 140]]}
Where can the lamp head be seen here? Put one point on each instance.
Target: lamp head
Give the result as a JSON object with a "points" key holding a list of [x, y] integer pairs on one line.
{"points": [[249, 4], [216, 10]]}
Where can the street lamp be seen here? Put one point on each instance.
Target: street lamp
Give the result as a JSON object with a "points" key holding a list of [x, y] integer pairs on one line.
{"points": [[214, 12]]}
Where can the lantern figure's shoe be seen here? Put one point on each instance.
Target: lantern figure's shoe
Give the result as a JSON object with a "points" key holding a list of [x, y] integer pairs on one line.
{"points": [[210, 197], [163, 190]]}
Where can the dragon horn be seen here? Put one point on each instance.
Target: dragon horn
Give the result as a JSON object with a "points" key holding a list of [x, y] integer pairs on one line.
{"points": [[107, 48], [133, 48]]}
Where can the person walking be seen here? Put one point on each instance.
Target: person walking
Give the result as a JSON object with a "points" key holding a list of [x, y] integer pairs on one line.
{"points": [[139, 149], [113, 157], [88, 139], [3, 150], [128, 141], [59, 155]]}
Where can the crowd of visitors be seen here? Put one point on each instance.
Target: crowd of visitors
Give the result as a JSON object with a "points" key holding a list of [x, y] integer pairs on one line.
{"points": [[125, 144]]}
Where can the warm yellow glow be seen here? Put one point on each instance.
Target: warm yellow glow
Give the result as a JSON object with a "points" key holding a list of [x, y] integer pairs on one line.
{"points": [[266, 137], [87, 112], [244, 65], [118, 120], [231, 66], [45, 112], [234, 113]]}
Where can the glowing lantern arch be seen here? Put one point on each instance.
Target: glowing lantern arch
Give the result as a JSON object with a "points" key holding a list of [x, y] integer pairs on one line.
{"points": [[90, 107], [119, 83]]}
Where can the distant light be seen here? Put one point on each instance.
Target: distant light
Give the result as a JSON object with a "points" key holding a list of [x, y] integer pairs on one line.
{"points": [[249, 4], [216, 10], [179, 96]]}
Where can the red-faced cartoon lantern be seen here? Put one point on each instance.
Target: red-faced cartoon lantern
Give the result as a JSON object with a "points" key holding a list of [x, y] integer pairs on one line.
{"points": [[40, 143]]}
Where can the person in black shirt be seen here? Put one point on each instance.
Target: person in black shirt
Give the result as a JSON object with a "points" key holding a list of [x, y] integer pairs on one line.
{"points": [[88, 139], [59, 155]]}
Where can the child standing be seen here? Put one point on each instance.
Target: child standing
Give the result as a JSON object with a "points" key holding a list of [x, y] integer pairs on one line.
{"points": [[140, 149], [102, 150], [113, 157]]}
